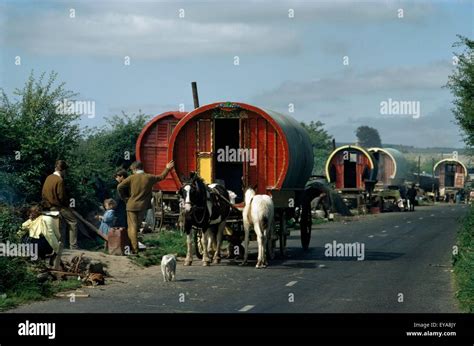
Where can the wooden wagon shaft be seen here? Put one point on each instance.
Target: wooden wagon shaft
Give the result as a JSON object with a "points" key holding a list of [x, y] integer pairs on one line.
{"points": [[89, 225], [225, 199], [60, 272]]}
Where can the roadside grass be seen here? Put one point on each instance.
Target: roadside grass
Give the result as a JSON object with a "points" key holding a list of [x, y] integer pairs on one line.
{"points": [[463, 263], [28, 289], [160, 244], [18, 281]]}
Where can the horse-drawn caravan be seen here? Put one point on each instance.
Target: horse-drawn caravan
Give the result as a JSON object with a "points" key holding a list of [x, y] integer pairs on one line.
{"points": [[451, 174], [152, 151], [353, 172], [392, 172], [234, 145], [392, 166]]}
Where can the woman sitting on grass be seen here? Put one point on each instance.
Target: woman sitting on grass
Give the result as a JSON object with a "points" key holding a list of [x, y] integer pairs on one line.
{"points": [[42, 230]]}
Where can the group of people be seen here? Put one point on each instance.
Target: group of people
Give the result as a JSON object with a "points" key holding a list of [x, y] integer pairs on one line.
{"points": [[133, 199]]}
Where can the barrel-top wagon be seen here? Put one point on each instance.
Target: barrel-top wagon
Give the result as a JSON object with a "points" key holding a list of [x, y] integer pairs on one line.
{"points": [[392, 166], [353, 172], [239, 146], [452, 174], [152, 151]]}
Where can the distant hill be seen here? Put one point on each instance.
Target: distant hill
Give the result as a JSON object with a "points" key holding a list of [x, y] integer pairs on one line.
{"points": [[428, 156], [411, 149]]}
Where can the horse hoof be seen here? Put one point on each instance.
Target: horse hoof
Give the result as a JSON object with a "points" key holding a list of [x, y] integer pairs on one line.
{"points": [[206, 264], [243, 263], [216, 260], [188, 263]]}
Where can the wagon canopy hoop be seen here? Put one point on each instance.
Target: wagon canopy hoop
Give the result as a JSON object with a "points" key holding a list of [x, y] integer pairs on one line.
{"points": [[366, 153], [376, 150], [453, 160]]}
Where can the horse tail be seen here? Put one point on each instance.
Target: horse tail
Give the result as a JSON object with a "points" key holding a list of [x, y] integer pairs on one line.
{"points": [[264, 222]]}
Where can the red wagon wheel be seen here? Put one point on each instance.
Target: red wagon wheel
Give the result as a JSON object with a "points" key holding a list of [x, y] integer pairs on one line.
{"points": [[158, 211]]}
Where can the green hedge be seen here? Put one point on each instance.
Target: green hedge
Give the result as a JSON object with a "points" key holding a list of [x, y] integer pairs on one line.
{"points": [[464, 263]]}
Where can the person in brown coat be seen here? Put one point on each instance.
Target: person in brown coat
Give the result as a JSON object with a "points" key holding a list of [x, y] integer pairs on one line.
{"points": [[136, 190], [54, 198]]}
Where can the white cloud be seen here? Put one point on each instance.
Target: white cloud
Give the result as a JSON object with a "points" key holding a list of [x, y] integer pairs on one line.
{"points": [[437, 128], [143, 36], [348, 83], [153, 30]]}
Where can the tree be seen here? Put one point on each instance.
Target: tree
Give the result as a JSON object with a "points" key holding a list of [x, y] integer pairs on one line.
{"points": [[321, 142], [33, 136], [99, 154], [461, 83], [368, 137]]}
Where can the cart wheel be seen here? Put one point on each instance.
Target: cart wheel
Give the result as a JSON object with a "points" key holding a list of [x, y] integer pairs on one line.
{"points": [[198, 244], [283, 235], [158, 211], [305, 226]]}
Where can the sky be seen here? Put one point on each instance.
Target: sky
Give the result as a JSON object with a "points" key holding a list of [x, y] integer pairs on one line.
{"points": [[332, 61]]}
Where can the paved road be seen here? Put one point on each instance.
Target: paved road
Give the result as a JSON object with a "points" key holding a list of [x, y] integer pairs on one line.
{"points": [[405, 253]]}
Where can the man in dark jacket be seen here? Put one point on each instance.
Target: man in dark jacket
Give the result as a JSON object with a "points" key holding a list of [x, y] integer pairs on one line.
{"points": [[120, 209], [54, 198], [411, 195], [136, 190]]}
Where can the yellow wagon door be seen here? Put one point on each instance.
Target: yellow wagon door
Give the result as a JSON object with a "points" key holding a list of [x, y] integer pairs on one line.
{"points": [[204, 145]]}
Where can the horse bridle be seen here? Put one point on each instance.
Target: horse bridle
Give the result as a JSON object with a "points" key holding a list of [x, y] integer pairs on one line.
{"points": [[194, 207]]}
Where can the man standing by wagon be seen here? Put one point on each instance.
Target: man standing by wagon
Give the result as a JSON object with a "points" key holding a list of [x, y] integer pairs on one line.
{"points": [[136, 190], [411, 195], [54, 198]]}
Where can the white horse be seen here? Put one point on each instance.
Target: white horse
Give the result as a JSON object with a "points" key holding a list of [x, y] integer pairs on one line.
{"points": [[258, 214]]}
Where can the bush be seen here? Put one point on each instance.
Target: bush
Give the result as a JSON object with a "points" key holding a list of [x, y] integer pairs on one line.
{"points": [[464, 263], [34, 135]]}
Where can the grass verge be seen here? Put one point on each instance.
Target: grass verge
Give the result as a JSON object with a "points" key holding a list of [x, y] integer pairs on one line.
{"points": [[160, 244], [29, 289], [463, 263]]}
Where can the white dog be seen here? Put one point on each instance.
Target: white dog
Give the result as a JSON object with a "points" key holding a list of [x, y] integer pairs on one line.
{"points": [[168, 267]]}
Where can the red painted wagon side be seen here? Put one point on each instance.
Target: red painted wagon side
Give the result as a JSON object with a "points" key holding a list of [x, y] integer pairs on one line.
{"points": [[451, 174], [276, 153], [350, 166], [152, 146]]}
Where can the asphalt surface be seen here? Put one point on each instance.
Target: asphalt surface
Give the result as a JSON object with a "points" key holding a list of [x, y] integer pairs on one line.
{"points": [[407, 268]]}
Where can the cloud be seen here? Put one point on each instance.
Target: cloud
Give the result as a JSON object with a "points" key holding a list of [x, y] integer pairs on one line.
{"points": [[143, 36], [437, 128], [150, 30], [258, 11], [348, 83]]}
